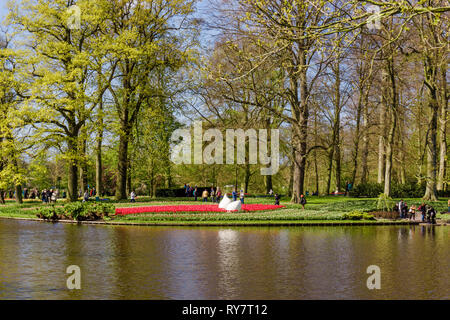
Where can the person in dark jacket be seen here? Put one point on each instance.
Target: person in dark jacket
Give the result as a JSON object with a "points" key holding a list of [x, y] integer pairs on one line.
{"points": [[303, 201], [195, 192], [431, 215], [234, 194], [277, 199], [423, 211]]}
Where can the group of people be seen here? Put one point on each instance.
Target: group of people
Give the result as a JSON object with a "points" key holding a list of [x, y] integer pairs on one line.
{"points": [[214, 193], [33, 193], [49, 196], [427, 212], [90, 192]]}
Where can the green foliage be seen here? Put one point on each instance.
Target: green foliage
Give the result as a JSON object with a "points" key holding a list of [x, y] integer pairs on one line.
{"points": [[51, 212], [411, 189], [80, 211], [358, 215], [385, 203], [369, 190]]}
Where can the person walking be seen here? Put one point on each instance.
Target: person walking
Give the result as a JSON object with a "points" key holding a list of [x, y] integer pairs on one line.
{"points": [[303, 201], [213, 195], [218, 195], [86, 196], [405, 211], [277, 199], [423, 210], [400, 208], [53, 197], [205, 195], [133, 196], [242, 195], [44, 196], [234, 194], [195, 193]]}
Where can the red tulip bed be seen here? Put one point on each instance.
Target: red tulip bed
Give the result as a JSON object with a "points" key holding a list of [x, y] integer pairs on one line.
{"points": [[193, 208]]}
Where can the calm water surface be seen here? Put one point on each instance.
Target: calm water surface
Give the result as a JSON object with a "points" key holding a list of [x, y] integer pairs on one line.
{"points": [[222, 263]]}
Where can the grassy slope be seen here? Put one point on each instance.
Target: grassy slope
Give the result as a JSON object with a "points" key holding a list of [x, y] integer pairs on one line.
{"points": [[318, 210]]}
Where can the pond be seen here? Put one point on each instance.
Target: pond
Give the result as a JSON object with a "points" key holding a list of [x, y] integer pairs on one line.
{"points": [[128, 262]]}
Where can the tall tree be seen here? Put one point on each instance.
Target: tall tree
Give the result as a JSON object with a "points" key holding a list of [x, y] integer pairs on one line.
{"points": [[142, 38], [58, 104]]}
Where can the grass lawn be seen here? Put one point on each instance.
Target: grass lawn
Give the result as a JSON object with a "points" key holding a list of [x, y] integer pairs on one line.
{"points": [[318, 210]]}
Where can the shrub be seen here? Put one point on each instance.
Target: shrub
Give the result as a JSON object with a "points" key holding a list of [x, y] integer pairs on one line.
{"points": [[368, 216], [358, 215], [178, 192], [410, 189], [77, 211], [369, 190], [51, 213]]}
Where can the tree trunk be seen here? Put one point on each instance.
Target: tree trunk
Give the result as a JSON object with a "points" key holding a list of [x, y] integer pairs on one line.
{"points": [[2, 195], [301, 113], [129, 186], [297, 179], [393, 101], [330, 169], [337, 124], [98, 168], [337, 159], [441, 185], [247, 177], [168, 176], [402, 156], [268, 178], [359, 111], [316, 171], [236, 171], [365, 146], [268, 183], [98, 158], [152, 191], [389, 145], [381, 139], [121, 193], [83, 169], [356, 142], [431, 190], [18, 189], [420, 129], [72, 151], [291, 179]]}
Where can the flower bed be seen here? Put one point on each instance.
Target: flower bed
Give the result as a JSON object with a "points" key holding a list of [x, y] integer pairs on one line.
{"points": [[193, 208]]}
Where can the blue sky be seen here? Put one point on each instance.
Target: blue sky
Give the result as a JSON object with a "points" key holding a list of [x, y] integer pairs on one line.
{"points": [[2, 8]]}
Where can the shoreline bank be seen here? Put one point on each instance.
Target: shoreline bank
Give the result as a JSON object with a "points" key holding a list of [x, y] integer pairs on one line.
{"points": [[304, 223]]}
